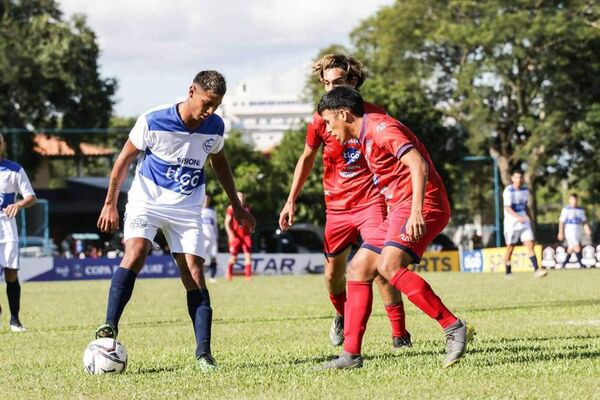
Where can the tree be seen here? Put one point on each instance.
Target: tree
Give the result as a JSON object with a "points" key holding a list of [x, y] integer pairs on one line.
{"points": [[49, 74], [516, 76]]}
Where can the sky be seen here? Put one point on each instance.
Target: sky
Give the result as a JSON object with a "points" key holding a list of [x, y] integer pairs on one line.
{"points": [[155, 47]]}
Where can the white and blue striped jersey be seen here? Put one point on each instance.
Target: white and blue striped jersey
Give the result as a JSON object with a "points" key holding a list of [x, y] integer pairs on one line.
{"points": [[572, 216], [209, 224], [170, 172], [516, 199], [13, 181]]}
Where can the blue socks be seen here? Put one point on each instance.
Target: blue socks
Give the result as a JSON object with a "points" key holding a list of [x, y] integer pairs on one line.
{"points": [[213, 268], [198, 302], [534, 262], [13, 292], [119, 294]]}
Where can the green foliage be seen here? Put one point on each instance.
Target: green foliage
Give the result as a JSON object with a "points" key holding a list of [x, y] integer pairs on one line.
{"points": [[269, 335], [49, 74]]}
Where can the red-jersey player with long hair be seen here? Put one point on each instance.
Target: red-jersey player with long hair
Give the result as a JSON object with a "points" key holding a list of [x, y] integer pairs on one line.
{"points": [[354, 206]]}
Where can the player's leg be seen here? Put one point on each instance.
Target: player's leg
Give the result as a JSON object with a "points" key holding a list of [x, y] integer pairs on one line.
{"points": [[397, 254], [394, 308], [368, 221], [185, 238], [13, 292], [9, 259], [122, 284], [340, 234], [198, 303], [361, 272], [529, 245], [335, 282], [234, 250], [247, 249]]}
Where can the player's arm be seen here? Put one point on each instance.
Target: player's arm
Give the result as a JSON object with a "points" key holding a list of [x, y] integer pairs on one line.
{"points": [[109, 216], [12, 209], [223, 172], [419, 171], [512, 212], [301, 172], [561, 231]]}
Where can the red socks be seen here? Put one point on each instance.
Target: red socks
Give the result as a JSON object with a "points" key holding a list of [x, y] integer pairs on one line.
{"points": [[338, 301], [357, 312], [397, 318], [248, 270], [229, 273], [420, 294]]}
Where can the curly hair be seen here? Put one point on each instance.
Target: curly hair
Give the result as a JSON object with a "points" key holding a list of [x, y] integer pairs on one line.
{"points": [[353, 67]]}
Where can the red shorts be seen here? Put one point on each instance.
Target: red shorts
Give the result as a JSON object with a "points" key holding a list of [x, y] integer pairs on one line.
{"points": [[392, 232], [240, 245], [343, 227]]}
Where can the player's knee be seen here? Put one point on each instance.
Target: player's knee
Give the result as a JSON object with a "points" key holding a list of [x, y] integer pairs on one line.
{"points": [[11, 275], [389, 268]]}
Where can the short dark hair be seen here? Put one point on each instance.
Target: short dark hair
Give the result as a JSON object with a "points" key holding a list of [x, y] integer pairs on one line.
{"points": [[211, 81], [516, 171], [574, 195], [342, 97]]}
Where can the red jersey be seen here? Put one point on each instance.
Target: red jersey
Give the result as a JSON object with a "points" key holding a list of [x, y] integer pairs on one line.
{"points": [[238, 230], [347, 181], [384, 141]]}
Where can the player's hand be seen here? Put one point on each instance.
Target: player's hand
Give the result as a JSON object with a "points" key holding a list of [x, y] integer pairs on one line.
{"points": [[561, 237], [415, 226], [11, 210], [286, 216], [245, 218], [109, 219], [522, 219]]}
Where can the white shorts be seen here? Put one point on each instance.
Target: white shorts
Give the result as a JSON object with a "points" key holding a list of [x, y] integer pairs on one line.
{"points": [[182, 228], [210, 247], [9, 255], [524, 235], [573, 236]]}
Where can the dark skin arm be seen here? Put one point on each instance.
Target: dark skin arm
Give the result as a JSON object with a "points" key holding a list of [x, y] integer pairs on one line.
{"points": [[109, 216]]}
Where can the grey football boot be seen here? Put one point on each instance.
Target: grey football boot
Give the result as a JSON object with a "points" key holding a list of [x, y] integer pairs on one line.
{"points": [[457, 336], [336, 332], [343, 361]]}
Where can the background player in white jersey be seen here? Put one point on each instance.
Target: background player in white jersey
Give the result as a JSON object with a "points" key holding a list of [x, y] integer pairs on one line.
{"points": [[571, 223], [211, 235], [13, 181], [517, 223], [172, 143]]}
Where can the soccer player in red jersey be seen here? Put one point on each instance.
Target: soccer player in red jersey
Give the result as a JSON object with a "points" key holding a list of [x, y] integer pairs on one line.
{"points": [[418, 212], [353, 203], [240, 239]]}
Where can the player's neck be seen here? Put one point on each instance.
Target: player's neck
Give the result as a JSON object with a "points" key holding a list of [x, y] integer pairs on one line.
{"points": [[356, 127], [186, 116]]}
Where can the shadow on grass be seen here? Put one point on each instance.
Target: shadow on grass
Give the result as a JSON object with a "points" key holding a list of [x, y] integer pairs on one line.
{"points": [[536, 305], [156, 370]]}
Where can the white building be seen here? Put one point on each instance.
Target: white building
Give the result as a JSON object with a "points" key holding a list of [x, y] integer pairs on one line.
{"points": [[264, 119]]}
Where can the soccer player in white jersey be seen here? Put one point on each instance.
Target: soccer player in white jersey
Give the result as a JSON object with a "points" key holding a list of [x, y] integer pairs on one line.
{"points": [[571, 223], [13, 181], [172, 144], [211, 235], [517, 223]]}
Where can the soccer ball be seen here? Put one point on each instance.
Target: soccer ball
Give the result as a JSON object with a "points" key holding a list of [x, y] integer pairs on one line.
{"points": [[105, 356]]}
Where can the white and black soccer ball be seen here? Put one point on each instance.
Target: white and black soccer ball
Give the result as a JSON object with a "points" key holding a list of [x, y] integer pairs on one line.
{"points": [[105, 356]]}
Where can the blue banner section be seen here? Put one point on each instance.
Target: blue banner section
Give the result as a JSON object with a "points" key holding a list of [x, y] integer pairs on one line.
{"points": [[472, 261], [102, 268]]}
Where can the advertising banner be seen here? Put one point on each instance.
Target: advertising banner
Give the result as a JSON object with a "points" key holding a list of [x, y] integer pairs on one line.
{"points": [[493, 259], [438, 261], [65, 269]]}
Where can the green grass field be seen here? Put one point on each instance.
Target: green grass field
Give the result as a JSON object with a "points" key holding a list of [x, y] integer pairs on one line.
{"points": [[536, 339]]}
